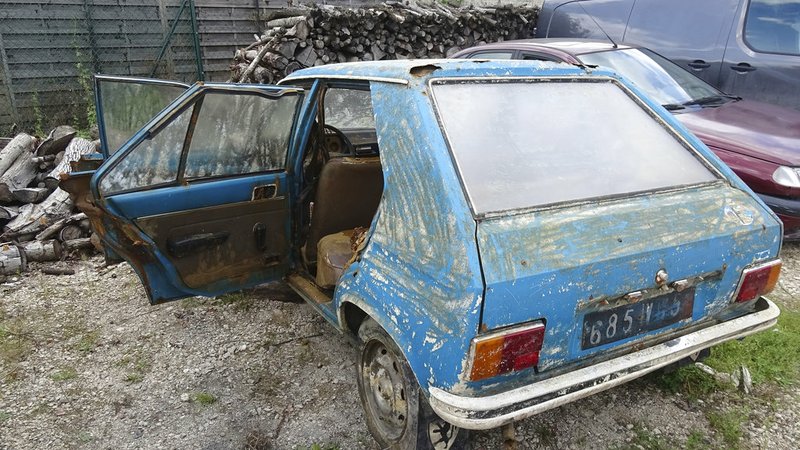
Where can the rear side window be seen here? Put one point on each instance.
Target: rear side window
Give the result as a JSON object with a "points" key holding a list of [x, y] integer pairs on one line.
{"points": [[348, 109], [522, 144], [773, 26]]}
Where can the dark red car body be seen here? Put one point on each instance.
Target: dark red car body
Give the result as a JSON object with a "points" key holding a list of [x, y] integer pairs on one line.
{"points": [[753, 138]]}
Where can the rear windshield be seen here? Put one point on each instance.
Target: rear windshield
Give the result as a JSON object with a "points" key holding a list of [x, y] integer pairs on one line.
{"points": [[523, 144]]}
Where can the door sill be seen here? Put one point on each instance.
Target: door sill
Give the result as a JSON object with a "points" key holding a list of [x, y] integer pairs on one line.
{"points": [[308, 289]]}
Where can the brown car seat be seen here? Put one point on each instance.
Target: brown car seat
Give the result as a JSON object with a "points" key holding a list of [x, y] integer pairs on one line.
{"points": [[348, 193]]}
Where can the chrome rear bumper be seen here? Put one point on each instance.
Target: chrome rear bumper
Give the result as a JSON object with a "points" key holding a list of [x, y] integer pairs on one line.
{"points": [[480, 413]]}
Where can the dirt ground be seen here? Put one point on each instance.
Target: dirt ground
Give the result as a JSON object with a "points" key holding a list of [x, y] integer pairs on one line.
{"points": [[87, 363]]}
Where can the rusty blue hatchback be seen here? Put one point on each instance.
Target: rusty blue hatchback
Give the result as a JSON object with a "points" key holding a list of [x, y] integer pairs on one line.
{"points": [[500, 237]]}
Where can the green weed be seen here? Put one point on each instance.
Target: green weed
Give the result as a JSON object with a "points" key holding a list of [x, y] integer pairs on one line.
{"points": [[65, 374], [771, 356], [697, 440], [729, 425], [204, 398]]}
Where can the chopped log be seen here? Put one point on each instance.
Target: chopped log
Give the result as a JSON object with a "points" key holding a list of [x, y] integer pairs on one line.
{"points": [[31, 195], [53, 229], [12, 259], [56, 141], [18, 176], [22, 143], [76, 148], [35, 218], [70, 232], [57, 271], [8, 212], [42, 250], [78, 244], [286, 22]]}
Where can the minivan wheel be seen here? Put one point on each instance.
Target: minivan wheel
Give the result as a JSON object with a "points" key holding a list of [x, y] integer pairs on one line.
{"points": [[398, 417]]}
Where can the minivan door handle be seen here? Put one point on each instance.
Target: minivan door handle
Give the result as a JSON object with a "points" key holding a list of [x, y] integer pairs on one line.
{"points": [[743, 68], [699, 64]]}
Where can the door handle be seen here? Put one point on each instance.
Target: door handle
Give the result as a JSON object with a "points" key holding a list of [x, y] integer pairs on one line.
{"points": [[743, 68], [186, 245], [699, 64]]}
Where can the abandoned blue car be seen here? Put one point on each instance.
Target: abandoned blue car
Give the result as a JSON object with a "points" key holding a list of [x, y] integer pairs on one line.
{"points": [[501, 238]]}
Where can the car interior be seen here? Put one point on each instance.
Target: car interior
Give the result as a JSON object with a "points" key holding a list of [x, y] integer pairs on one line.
{"points": [[342, 185]]}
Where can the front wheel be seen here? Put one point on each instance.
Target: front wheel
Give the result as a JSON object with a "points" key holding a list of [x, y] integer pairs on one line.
{"points": [[397, 415]]}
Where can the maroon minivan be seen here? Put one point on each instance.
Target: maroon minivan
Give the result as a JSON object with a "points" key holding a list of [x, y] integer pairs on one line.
{"points": [[759, 141]]}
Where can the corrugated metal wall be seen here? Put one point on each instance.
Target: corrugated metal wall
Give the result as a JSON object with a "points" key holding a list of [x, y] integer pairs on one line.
{"points": [[49, 48]]}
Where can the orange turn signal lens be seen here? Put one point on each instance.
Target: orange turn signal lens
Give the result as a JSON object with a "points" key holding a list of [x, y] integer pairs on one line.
{"points": [[506, 351], [758, 281]]}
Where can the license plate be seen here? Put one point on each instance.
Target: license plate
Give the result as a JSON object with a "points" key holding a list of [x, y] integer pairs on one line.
{"points": [[602, 327]]}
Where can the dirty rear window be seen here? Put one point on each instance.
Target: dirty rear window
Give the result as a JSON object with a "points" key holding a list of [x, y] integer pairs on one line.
{"points": [[525, 144]]}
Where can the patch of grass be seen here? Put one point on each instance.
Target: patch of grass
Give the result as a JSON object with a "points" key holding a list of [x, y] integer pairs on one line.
{"points": [[134, 377], [697, 440], [85, 437], [771, 356], [204, 398], [644, 438], [137, 364], [14, 343], [65, 374], [688, 380], [4, 416], [546, 435], [240, 301], [729, 425], [87, 342], [319, 447]]}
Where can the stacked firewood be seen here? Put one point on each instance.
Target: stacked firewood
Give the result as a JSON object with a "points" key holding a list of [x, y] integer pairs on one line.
{"points": [[395, 30], [38, 221]]}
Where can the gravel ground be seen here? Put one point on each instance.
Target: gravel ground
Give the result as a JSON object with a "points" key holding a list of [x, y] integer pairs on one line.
{"points": [[87, 363]]}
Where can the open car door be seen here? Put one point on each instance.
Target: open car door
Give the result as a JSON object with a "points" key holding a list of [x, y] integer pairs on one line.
{"points": [[197, 200], [125, 104]]}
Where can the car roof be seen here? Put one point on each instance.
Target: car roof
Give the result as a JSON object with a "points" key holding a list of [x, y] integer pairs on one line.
{"points": [[414, 71], [569, 45]]}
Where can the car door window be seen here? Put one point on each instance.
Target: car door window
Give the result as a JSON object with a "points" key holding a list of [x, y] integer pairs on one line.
{"points": [[152, 162], [538, 57], [492, 55], [773, 26], [240, 134], [127, 104]]}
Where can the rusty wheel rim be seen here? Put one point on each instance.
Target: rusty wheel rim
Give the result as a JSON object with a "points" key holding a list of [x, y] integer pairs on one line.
{"points": [[385, 389]]}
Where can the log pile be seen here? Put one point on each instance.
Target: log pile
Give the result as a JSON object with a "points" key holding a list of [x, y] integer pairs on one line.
{"points": [[38, 221], [395, 30]]}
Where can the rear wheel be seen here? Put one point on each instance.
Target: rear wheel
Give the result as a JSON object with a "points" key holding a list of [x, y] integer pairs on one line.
{"points": [[397, 415]]}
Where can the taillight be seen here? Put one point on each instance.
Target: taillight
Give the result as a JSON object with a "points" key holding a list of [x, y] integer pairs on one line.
{"points": [[759, 280], [509, 350]]}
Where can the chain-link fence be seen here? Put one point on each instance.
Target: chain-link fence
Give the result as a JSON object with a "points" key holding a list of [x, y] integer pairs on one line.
{"points": [[49, 50]]}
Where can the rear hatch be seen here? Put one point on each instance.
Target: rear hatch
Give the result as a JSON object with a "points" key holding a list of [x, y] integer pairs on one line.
{"points": [[597, 214], [602, 276]]}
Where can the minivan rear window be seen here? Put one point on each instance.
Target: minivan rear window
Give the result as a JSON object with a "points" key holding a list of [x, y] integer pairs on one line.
{"points": [[529, 143]]}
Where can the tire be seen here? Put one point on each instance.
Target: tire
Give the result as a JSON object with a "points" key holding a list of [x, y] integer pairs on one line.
{"points": [[397, 414]]}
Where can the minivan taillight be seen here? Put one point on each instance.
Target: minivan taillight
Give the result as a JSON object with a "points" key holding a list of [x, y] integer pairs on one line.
{"points": [[759, 280], [505, 351]]}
